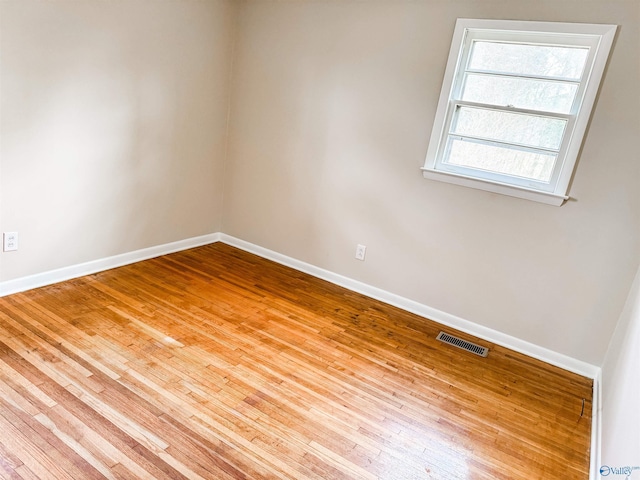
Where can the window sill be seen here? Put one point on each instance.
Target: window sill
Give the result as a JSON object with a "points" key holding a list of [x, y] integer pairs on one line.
{"points": [[496, 187]]}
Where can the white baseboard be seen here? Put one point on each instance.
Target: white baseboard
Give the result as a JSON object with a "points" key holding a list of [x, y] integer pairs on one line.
{"points": [[554, 358], [74, 271], [596, 428]]}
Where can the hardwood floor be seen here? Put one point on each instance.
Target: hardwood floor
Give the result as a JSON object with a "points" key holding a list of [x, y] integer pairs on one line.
{"points": [[216, 364]]}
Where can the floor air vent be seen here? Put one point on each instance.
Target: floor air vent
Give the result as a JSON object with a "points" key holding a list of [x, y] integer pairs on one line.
{"points": [[463, 344]]}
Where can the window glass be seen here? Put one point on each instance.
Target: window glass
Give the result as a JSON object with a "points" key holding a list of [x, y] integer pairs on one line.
{"points": [[534, 60], [497, 159], [507, 127]]}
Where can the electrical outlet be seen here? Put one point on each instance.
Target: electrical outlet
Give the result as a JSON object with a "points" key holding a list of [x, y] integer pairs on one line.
{"points": [[361, 250], [10, 241]]}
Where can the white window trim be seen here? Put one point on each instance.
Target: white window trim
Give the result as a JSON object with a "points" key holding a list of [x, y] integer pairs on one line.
{"points": [[602, 38]]}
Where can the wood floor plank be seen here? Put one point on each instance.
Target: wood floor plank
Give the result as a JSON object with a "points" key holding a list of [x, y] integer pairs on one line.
{"points": [[213, 363]]}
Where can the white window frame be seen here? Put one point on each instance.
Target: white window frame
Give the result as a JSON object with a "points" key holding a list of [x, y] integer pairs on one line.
{"points": [[598, 38]]}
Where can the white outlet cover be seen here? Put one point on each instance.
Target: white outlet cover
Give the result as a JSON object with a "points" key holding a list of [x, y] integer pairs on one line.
{"points": [[10, 241]]}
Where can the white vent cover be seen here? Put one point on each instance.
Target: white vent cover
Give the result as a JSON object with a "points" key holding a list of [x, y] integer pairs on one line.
{"points": [[463, 344]]}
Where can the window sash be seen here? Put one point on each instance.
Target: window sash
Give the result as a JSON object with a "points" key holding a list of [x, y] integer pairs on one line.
{"points": [[519, 38], [526, 111], [548, 186], [469, 78]]}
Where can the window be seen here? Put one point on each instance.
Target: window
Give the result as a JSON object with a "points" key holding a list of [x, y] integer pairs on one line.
{"points": [[514, 106]]}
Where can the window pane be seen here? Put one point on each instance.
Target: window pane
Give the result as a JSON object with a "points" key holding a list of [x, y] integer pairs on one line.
{"points": [[492, 158], [531, 130], [537, 60], [519, 92]]}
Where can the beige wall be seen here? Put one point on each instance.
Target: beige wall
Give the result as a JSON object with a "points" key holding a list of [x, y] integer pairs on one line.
{"points": [[621, 388], [332, 107], [113, 126]]}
